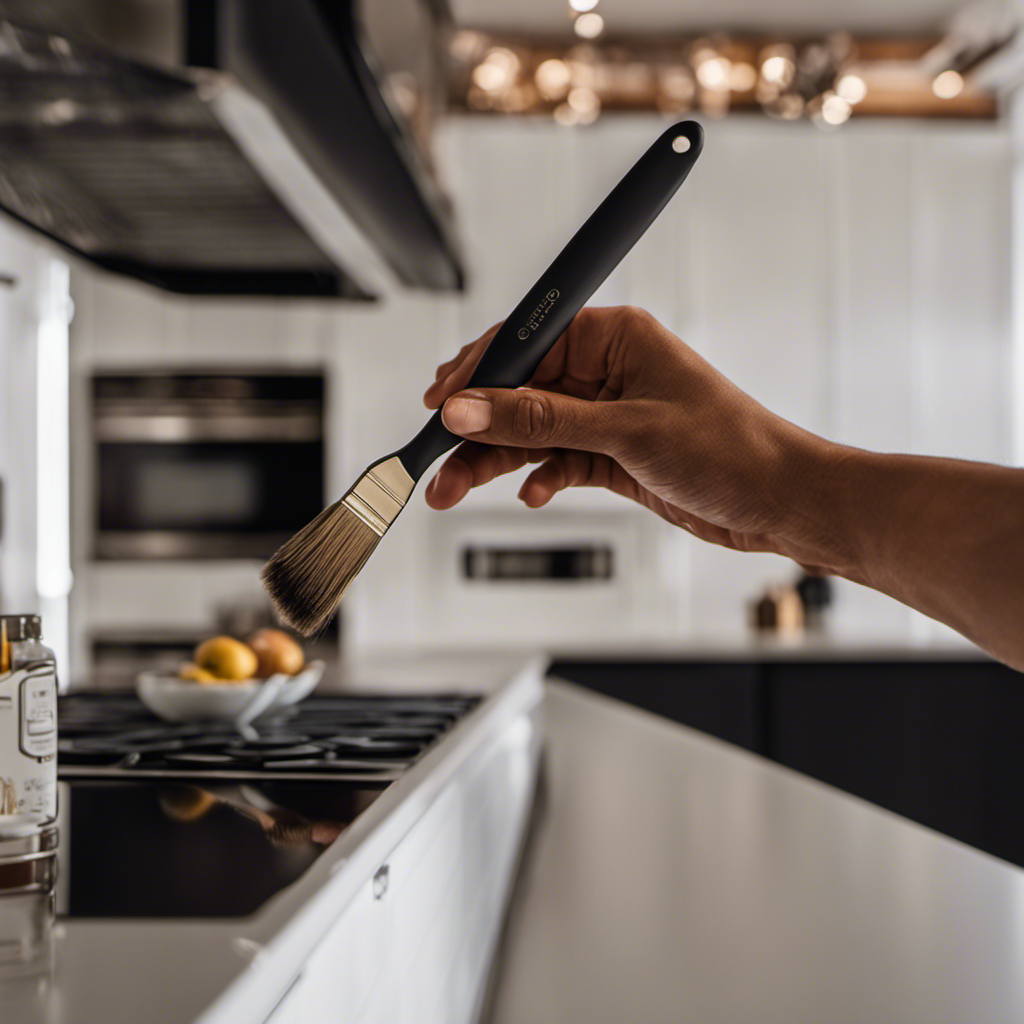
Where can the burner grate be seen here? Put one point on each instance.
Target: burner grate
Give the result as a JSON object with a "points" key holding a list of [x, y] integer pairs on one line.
{"points": [[344, 737]]}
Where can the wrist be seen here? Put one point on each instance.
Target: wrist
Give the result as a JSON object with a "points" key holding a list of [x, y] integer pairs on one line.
{"points": [[822, 521]]}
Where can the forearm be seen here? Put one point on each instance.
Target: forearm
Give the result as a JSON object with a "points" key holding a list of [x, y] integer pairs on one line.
{"points": [[943, 536]]}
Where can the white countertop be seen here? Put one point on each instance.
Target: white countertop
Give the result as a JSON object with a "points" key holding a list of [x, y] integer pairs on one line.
{"points": [[676, 878]]}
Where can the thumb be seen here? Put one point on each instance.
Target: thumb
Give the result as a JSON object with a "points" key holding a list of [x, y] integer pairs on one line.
{"points": [[528, 418]]}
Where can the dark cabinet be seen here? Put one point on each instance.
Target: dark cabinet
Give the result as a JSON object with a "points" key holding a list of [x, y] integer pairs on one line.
{"points": [[938, 742], [719, 698], [941, 743]]}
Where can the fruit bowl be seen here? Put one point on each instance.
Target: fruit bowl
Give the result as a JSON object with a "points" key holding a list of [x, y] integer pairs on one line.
{"points": [[182, 700]]}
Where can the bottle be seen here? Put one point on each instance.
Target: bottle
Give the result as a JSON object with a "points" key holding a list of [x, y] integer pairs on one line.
{"points": [[779, 610], [28, 729]]}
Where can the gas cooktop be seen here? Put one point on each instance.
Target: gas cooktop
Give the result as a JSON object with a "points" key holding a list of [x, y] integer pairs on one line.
{"points": [[353, 738], [158, 820]]}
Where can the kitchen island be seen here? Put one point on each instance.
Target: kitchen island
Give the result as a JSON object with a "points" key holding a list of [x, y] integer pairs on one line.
{"points": [[395, 918], [673, 877]]}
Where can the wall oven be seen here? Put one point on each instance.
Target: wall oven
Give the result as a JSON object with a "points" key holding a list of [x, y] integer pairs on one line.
{"points": [[205, 465]]}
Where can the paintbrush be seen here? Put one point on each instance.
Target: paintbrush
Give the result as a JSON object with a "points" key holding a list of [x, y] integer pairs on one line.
{"points": [[308, 575]]}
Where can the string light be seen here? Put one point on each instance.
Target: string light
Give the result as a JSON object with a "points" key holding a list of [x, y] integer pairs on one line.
{"points": [[790, 106], [852, 88], [552, 77], [589, 26], [948, 85], [582, 6], [713, 73], [834, 109], [778, 70], [584, 101], [819, 80], [565, 115], [497, 71], [466, 45], [490, 77], [742, 77]]}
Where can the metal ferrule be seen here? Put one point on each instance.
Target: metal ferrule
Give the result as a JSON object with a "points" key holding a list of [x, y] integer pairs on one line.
{"points": [[380, 494]]}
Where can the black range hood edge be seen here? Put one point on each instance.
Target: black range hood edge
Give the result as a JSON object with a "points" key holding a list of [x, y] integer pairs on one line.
{"points": [[186, 180]]}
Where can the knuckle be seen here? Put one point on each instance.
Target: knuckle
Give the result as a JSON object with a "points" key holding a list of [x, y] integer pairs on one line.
{"points": [[532, 419], [635, 315]]}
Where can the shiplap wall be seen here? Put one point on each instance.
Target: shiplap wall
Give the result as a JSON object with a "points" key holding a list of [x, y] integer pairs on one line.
{"points": [[856, 282]]}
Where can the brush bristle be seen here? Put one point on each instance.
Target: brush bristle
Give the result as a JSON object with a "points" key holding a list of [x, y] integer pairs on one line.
{"points": [[308, 574]]}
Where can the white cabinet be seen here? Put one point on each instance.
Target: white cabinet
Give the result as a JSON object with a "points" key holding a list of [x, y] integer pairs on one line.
{"points": [[962, 297], [417, 949]]}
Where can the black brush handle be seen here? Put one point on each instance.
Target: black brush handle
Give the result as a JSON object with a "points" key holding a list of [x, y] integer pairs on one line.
{"points": [[548, 308]]}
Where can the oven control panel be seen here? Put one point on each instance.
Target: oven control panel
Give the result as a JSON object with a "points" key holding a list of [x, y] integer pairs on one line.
{"points": [[503, 562]]}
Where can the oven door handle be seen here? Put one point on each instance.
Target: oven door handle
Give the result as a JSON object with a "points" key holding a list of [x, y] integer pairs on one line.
{"points": [[176, 429]]}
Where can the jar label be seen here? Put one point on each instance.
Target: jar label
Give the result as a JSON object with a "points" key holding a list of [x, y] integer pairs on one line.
{"points": [[28, 742]]}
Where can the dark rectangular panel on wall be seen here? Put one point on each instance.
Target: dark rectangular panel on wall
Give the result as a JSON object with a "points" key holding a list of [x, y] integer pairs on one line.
{"points": [[719, 698], [938, 742]]}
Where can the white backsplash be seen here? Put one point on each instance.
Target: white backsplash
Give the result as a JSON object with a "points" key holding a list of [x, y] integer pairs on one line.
{"points": [[856, 282]]}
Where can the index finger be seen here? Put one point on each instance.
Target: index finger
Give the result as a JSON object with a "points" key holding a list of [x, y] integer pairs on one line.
{"points": [[583, 357], [454, 375]]}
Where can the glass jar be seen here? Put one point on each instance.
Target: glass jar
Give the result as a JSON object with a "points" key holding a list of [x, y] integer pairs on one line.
{"points": [[28, 795]]}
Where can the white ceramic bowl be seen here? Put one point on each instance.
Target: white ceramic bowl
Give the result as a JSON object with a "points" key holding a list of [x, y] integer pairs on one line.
{"points": [[181, 700]]}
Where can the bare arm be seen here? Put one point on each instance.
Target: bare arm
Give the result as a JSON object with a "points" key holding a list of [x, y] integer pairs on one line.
{"points": [[622, 403], [943, 536]]}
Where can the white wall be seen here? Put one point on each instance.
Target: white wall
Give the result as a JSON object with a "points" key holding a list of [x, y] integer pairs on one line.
{"points": [[856, 282], [34, 311], [19, 325]]}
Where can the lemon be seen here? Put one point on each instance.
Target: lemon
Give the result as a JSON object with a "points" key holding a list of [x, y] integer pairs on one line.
{"points": [[195, 674], [226, 659]]}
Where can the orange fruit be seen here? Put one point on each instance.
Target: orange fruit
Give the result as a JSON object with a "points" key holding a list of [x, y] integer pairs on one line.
{"points": [[276, 652]]}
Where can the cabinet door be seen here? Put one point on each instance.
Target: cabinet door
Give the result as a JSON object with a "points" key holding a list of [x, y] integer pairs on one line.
{"points": [[720, 698], [937, 742], [416, 947]]}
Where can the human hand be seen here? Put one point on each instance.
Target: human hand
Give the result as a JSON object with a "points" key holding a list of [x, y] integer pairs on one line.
{"points": [[620, 402]]}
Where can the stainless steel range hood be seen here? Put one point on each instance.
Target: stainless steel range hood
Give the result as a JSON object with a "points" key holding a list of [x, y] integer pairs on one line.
{"points": [[279, 168]]}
